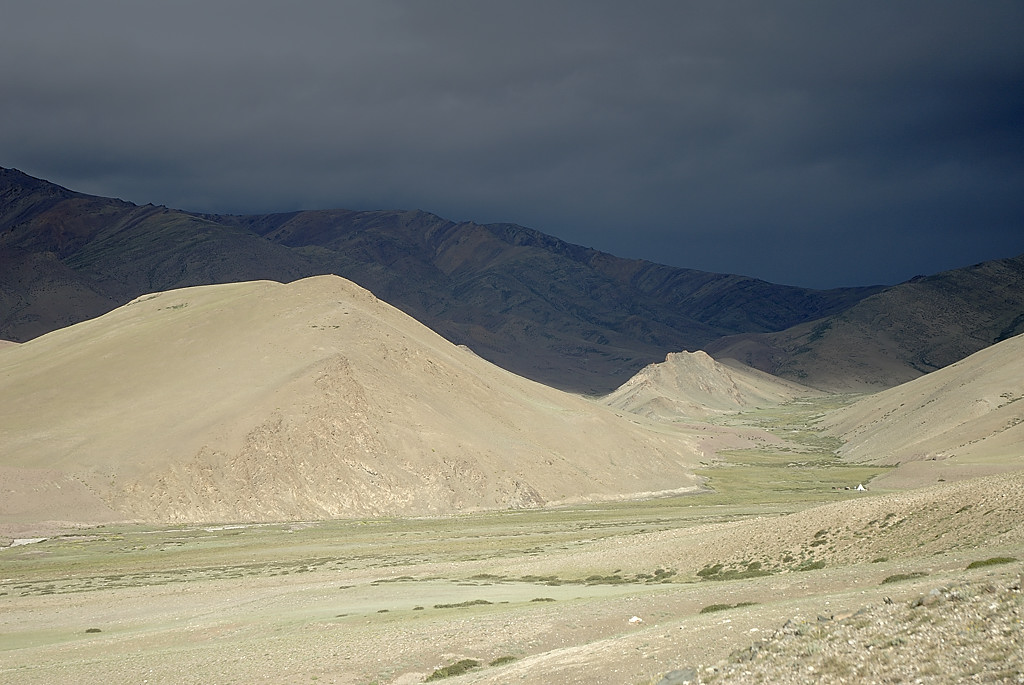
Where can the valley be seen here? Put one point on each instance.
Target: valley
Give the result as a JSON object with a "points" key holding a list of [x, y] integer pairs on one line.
{"points": [[619, 592], [490, 457]]}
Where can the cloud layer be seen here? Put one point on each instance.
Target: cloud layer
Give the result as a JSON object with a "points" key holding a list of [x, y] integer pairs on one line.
{"points": [[814, 144]]}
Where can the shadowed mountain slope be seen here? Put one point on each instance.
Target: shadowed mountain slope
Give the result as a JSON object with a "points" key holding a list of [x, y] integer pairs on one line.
{"points": [[896, 335], [690, 385], [261, 401], [565, 315], [965, 419]]}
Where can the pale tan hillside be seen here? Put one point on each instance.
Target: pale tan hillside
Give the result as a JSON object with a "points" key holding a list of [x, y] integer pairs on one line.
{"points": [[959, 421], [690, 385], [260, 401]]}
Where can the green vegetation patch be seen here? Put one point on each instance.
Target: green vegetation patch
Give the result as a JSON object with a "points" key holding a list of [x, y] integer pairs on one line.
{"points": [[993, 561], [753, 569], [811, 566], [462, 605], [711, 608], [458, 668], [898, 577]]}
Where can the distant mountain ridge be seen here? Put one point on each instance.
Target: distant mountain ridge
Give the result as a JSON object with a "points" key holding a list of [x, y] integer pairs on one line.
{"points": [[894, 336], [568, 316]]}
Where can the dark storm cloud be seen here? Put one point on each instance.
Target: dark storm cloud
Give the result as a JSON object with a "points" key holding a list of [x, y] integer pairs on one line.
{"points": [[809, 143]]}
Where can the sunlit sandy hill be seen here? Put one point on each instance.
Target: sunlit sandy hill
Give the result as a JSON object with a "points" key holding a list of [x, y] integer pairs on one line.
{"points": [[263, 401], [960, 421], [693, 385]]}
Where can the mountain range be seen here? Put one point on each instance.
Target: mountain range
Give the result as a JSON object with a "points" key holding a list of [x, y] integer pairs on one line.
{"points": [[165, 369], [896, 335], [565, 315], [568, 316]]}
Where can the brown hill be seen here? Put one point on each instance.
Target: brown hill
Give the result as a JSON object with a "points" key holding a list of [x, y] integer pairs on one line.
{"points": [[565, 315], [257, 401], [896, 335], [965, 419], [693, 385]]}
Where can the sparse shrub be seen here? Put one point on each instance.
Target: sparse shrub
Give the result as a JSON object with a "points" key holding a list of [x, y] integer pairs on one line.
{"points": [[879, 560], [709, 571], [502, 660], [543, 599], [458, 668], [461, 605], [719, 572], [991, 562], [663, 576], [811, 566], [93, 630], [711, 608], [741, 575], [898, 577]]}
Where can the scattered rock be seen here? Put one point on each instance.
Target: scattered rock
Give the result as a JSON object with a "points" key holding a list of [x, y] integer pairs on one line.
{"points": [[968, 632]]}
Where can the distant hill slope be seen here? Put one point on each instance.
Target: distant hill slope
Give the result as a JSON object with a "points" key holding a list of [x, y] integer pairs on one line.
{"points": [[692, 385], [954, 423], [896, 335], [262, 401], [565, 315]]}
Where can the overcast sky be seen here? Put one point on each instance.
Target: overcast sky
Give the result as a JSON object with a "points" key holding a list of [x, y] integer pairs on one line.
{"points": [[808, 143]]}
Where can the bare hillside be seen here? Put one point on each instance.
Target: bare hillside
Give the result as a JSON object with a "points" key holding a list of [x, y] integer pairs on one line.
{"points": [[693, 385], [894, 336], [955, 422], [256, 401]]}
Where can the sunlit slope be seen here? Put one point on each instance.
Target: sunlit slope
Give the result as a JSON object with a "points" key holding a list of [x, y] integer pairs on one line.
{"points": [[693, 385], [257, 401], [965, 419]]}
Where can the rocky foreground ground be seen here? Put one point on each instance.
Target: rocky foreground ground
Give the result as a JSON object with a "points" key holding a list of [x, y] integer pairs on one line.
{"points": [[969, 632]]}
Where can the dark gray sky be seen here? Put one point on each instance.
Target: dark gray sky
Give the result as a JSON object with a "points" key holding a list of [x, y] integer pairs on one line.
{"points": [[807, 143]]}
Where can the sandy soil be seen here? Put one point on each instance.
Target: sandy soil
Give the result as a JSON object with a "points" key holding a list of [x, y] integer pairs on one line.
{"points": [[365, 602]]}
